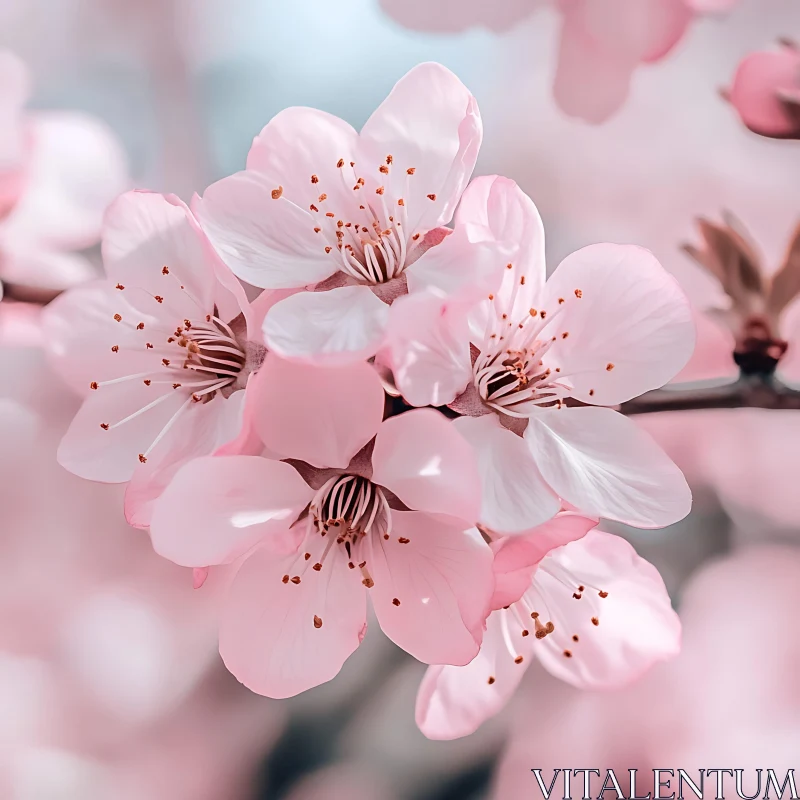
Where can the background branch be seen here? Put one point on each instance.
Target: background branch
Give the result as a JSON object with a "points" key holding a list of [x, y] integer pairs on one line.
{"points": [[753, 391]]}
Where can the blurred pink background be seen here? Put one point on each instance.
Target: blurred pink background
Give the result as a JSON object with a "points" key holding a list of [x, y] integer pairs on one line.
{"points": [[110, 681]]}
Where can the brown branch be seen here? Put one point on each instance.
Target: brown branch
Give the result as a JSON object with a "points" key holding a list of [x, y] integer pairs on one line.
{"points": [[747, 392]]}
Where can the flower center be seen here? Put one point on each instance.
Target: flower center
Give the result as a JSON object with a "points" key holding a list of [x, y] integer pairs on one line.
{"points": [[345, 510], [349, 507], [212, 351], [532, 613], [509, 371], [196, 359], [367, 234]]}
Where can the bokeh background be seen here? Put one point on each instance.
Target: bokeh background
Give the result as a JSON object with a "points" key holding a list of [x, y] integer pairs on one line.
{"points": [[110, 684]]}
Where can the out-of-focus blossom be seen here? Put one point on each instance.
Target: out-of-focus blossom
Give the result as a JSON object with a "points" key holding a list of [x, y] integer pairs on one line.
{"points": [[162, 347], [766, 92], [357, 506], [356, 217], [681, 713], [594, 613], [58, 172], [107, 656], [602, 43], [609, 324]]}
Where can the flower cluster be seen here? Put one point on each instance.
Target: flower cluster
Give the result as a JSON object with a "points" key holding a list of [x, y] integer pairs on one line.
{"points": [[408, 412]]}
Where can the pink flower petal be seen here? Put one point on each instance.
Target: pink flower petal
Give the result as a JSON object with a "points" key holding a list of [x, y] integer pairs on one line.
{"points": [[208, 427], [631, 329], [199, 577], [515, 496], [145, 233], [80, 331], [428, 348], [592, 82], [516, 558], [600, 462], [433, 584], [216, 509], [298, 143], [323, 416], [636, 626], [267, 242], [644, 30], [280, 639], [429, 123], [756, 92], [454, 701], [339, 326], [501, 208], [465, 266], [112, 455], [75, 169], [422, 458]]}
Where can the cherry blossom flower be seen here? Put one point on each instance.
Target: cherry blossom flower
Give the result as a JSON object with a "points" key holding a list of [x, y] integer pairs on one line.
{"points": [[58, 172], [608, 325], [766, 92], [355, 216], [581, 601], [356, 506], [162, 349]]}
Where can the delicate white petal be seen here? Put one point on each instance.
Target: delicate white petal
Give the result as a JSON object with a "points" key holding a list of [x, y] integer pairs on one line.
{"points": [[629, 331], [600, 462], [515, 496], [334, 327]]}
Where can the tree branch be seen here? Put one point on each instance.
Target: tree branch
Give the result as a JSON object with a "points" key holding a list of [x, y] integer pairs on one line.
{"points": [[747, 392]]}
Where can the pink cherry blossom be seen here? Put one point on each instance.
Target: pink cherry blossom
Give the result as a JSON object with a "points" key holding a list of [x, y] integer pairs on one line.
{"points": [[766, 92], [355, 216], [608, 325], [593, 613], [355, 507], [162, 348], [58, 172]]}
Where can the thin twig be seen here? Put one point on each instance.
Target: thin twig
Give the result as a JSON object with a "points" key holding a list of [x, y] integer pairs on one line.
{"points": [[748, 392]]}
